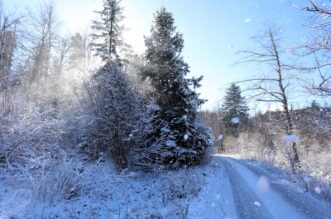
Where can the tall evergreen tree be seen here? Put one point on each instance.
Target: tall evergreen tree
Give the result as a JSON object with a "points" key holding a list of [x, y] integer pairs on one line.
{"points": [[114, 102], [176, 138], [234, 110], [108, 31]]}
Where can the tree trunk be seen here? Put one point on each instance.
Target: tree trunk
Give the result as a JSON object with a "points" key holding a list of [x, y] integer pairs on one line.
{"points": [[289, 124]]}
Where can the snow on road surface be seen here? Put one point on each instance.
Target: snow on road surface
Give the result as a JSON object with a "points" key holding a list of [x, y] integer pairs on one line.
{"points": [[215, 200], [258, 195]]}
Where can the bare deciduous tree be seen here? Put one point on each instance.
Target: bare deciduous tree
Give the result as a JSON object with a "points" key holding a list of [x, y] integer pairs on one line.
{"points": [[8, 25], [62, 50], [273, 87], [80, 52], [317, 49], [39, 39]]}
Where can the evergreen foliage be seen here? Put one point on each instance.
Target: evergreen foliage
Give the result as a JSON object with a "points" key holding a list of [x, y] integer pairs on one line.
{"points": [[115, 116], [314, 105], [234, 110], [176, 139], [108, 31], [115, 104]]}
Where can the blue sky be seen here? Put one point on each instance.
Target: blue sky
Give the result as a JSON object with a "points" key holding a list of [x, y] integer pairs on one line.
{"points": [[214, 30]]}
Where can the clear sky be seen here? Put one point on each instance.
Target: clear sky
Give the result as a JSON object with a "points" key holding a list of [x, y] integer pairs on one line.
{"points": [[214, 30]]}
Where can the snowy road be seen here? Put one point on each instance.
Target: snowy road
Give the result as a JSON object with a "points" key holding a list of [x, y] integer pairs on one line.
{"points": [[256, 194]]}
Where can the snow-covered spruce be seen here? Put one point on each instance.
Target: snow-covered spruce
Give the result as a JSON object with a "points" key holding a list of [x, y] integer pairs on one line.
{"points": [[176, 138], [234, 111]]}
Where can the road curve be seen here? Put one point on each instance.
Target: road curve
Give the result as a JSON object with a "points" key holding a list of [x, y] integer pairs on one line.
{"points": [[258, 195]]}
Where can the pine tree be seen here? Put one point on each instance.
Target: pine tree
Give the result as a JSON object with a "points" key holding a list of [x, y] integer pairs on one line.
{"points": [[176, 138], [314, 105], [108, 31], [234, 110]]}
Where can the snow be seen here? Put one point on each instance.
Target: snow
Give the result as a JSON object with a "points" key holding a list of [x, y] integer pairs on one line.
{"points": [[105, 193], [185, 137], [171, 143], [276, 199], [257, 204], [307, 179], [318, 190], [272, 201], [263, 184], [164, 129], [247, 20], [152, 107], [220, 138], [216, 194], [210, 191], [235, 120], [290, 138]]}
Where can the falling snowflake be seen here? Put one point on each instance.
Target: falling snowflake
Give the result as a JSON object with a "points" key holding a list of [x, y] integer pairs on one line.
{"points": [[257, 204], [247, 20], [263, 184], [318, 190], [290, 138], [235, 120]]}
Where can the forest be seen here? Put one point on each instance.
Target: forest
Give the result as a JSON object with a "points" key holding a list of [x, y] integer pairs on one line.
{"points": [[87, 123]]}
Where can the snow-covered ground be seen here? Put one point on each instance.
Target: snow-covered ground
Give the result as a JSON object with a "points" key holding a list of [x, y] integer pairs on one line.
{"points": [[258, 194], [99, 191], [226, 187]]}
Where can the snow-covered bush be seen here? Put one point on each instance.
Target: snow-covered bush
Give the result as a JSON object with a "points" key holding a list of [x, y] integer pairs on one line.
{"points": [[38, 129], [184, 186], [51, 179]]}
